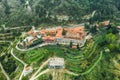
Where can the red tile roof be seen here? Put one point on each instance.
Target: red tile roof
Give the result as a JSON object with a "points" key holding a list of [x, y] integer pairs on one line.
{"points": [[59, 32], [30, 42], [27, 68], [77, 32], [74, 47], [30, 32], [49, 38], [73, 33]]}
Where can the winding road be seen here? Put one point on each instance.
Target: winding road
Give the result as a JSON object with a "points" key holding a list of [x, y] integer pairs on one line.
{"points": [[8, 78], [20, 62], [18, 58], [40, 45]]}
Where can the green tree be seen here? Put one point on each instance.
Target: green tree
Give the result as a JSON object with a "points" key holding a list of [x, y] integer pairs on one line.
{"points": [[71, 44], [93, 29], [78, 47], [25, 78], [111, 38], [64, 32], [87, 26]]}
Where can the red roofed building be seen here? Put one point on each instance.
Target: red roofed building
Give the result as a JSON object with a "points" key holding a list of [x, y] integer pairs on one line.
{"points": [[30, 32], [74, 47], [75, 33], [48, 39], [59, 32], [27, 70]]}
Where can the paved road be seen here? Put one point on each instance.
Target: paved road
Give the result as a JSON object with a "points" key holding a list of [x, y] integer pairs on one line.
{"points": [[21, 62], [22, 73], [38, 73], [40, 45], [8, 78], [18, 58], [93, 13], [14, 28], [94, 64], [41, 67]]}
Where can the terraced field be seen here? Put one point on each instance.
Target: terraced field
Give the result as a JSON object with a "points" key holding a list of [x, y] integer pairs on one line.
{"points": [[75, 60], [97, 58]]}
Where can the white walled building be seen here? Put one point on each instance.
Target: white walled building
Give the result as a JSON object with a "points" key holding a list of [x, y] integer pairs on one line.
{"points": [[57, 63]]}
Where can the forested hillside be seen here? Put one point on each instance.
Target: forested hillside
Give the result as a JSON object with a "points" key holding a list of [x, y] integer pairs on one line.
{"points": [[36, 12], [83, 34]]}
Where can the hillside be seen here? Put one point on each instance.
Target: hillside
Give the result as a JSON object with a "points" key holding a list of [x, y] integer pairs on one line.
{"points": [[36, 12], [59, 40]]}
